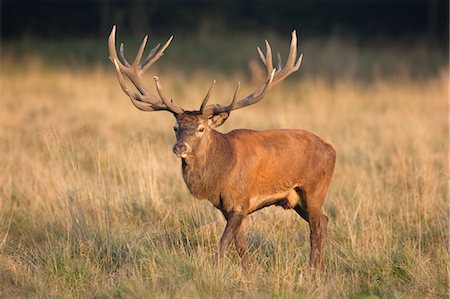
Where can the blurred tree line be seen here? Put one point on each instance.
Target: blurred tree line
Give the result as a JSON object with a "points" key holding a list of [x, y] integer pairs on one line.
{"points": [[93, 18]]}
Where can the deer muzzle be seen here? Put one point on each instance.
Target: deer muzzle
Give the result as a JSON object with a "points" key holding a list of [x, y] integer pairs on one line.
{"points": [[181, 149]]}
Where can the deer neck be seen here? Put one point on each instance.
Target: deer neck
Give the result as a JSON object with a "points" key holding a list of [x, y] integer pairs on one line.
{"points": [[206, 169]]}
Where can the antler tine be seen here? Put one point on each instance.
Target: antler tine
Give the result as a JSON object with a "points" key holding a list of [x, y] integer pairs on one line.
{"points": [[279, 67], [133, 97], [268, 63], [299, 62], [233, 102], [120, 78], [112, 49], [169, 104], [150, 55], [274, 76], [290, 63], [208, 94], [145, 100], [261, 55], [122, 55], [140, 52], [215, 109], [157, 55], [293, 49]]}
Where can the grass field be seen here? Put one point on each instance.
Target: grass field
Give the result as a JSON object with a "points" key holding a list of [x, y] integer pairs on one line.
{"points": [[92, 202]]}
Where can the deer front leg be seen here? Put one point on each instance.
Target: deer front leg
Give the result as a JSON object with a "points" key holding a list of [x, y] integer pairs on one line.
{"points": [[234, 221]]}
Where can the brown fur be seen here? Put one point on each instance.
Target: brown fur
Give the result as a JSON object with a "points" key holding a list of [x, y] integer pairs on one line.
{"points": [[244, 170]]}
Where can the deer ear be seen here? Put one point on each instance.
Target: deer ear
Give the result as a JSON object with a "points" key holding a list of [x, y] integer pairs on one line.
{"points": [[217, 120]]}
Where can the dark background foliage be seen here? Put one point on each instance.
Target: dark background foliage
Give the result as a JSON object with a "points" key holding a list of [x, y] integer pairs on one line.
{"points": [[362, 19]]}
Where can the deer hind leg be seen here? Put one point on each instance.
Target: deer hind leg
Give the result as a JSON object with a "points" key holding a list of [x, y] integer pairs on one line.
{"points": [[241, 246], [318, 227], [318, 223]]}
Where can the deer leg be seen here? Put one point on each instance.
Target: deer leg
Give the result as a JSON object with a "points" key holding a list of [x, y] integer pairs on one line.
{"points": [[318, 226], [318, 229], [302, 212], [234, 221], [315, 234], [241, 246]]}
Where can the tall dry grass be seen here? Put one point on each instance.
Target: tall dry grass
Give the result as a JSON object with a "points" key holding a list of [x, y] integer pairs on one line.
{"points": [[92, 202]]}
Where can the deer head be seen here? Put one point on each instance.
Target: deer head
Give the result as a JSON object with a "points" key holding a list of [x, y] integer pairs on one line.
{"points": [[193, 128]]}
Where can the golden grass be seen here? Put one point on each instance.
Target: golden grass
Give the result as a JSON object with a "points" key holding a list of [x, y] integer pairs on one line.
{"points": [[93, 202]]}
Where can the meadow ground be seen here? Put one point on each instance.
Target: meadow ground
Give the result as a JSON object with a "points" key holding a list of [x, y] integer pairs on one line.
{"points": [[92, 202]]}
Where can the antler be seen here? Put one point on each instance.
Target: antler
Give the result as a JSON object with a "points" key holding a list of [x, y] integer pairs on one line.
{"points": [[274, 76], [144, 100]]}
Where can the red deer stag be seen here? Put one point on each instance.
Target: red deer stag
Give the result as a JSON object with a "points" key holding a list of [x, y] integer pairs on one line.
{"points": [[242, 171]]}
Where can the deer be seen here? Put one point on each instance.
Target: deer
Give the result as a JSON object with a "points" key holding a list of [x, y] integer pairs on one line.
{"points": [[242, 171]]}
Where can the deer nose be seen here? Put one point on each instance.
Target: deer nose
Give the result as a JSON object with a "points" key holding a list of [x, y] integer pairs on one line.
{"points": [[181, 149]]}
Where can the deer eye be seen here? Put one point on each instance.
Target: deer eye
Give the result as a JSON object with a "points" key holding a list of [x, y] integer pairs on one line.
{"points": [[175, 128], [201, 129]]}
